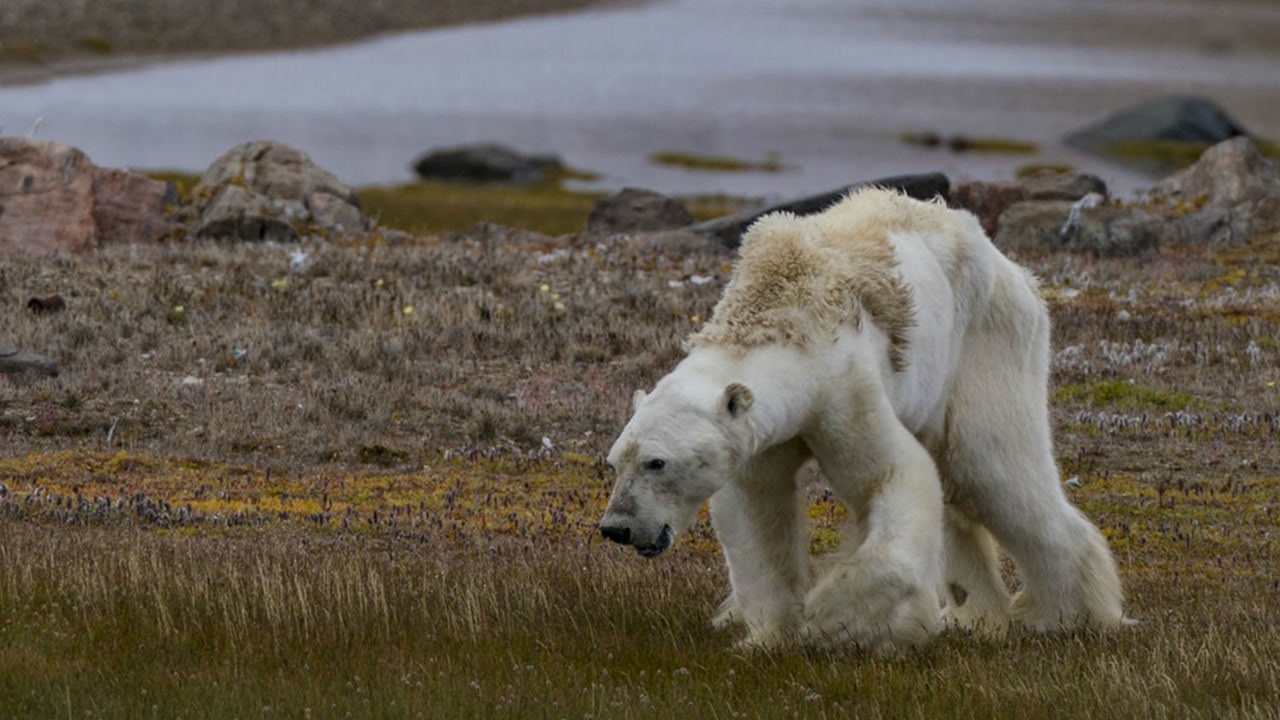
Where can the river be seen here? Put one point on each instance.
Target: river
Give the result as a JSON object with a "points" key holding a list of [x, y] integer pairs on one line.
{"points": [[826, 86]]}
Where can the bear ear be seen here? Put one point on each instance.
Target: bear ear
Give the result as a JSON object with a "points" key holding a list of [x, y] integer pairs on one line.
{"points": [[737, 399], [638, 398]]}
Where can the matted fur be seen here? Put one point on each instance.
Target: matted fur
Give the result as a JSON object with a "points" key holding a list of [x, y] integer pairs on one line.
{"points": [[795, 285]]}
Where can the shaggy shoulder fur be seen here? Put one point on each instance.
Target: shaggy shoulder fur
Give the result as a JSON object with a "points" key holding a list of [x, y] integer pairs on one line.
{"points": [[799, 279]]}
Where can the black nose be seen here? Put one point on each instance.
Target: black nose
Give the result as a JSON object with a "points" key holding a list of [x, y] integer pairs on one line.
{"points": [[620, 535]]}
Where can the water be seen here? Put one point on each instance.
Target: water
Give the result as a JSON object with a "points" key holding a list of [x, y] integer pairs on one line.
{"points": [[827, 85]]}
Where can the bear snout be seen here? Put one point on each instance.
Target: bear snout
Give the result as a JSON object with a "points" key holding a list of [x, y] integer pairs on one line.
{"points": [[620, 535]]}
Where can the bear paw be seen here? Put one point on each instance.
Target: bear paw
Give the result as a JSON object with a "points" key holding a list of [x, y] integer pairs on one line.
{"points": [[728, 615]]}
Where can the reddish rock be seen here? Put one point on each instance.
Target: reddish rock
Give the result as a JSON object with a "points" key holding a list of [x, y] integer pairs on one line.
{"points": [[987, 200], [53, 199]]}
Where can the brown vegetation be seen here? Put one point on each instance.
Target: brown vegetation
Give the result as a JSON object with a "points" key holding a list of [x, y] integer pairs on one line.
{"points": [[313, 479]]}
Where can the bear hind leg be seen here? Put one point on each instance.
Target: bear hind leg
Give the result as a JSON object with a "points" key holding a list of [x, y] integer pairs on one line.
{"points": [[998, 453]]}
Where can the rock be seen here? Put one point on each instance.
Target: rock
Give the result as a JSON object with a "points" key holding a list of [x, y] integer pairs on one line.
{"points": [[728, 230], [1181, 118], [15, 362], [236, 213], [1226, 175], [1105, 230], [637, 210], [47, 304], [1052, 184], [486, 162], [986, 200], [1232, 191], [266, 190], [1158, 135], [54, 199]]}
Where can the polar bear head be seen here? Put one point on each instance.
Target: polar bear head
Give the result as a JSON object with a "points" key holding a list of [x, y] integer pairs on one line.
{"points": [[683, 443]]}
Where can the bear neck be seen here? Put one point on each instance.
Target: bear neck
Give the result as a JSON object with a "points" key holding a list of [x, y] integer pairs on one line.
{"points": [[784, 392]]}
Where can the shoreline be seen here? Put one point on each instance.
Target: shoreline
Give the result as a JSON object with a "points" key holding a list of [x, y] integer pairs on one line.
{"points": [[40, 45]]}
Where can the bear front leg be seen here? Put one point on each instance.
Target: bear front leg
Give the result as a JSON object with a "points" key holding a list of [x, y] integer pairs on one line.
{"points": [[760, 523], [883, 590]]}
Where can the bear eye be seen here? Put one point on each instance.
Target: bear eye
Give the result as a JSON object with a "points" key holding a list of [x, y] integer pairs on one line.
{"points": [[655, 464]]}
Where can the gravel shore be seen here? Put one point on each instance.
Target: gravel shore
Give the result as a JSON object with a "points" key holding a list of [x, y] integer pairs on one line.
{"points": [[43, 37]]}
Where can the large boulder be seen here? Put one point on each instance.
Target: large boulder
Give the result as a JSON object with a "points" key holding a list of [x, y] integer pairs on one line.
{"points": [[1158, 135], [265, 190], [485, 162], [54, 199], [1232, 193], [1103, 230], [989, 200], [636, 210], [728, 229]]}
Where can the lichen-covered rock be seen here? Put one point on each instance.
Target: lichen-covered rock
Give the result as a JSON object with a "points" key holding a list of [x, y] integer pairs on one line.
{"points": [[265, 190], [1105, 230], [54, 199], [1232, 192], [636, 210], [1053, 184]]}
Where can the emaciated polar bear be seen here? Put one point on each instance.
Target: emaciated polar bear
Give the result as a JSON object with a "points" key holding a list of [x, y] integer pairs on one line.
{"points": [[890, 340]]}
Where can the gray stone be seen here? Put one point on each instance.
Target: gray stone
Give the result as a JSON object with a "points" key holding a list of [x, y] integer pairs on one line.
{"points": [[485, 162], [1106, 231], [1232, 193], [265, 190], [1180, 118], [1226, 175], [16, 362], [728, 230], [236, 213], [1051, 184], [636, 210]]}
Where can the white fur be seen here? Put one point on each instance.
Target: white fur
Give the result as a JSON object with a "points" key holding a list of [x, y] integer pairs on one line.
{"points": [[965, 418]]}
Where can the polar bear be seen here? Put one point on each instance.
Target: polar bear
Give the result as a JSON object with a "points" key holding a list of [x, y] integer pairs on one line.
{"points": [[891, 341]]}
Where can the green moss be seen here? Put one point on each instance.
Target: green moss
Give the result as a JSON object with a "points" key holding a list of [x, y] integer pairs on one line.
{"points": [[714, 163], [1124, 395], [27, 52], [1171, 153], [431, 207], [97, 44], [183, 182], [960, 143], [1034, 168]]}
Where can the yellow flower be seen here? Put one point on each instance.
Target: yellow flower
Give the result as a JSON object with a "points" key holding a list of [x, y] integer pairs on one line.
{"points": [[280, 284], [545, 288], [408, 309]]}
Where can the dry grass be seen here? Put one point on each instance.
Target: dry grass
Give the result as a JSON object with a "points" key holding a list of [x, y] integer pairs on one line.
{"points": [[293, 497]]}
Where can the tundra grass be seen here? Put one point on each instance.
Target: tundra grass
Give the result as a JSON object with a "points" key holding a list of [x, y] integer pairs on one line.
{"points": [[358, 478]]}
